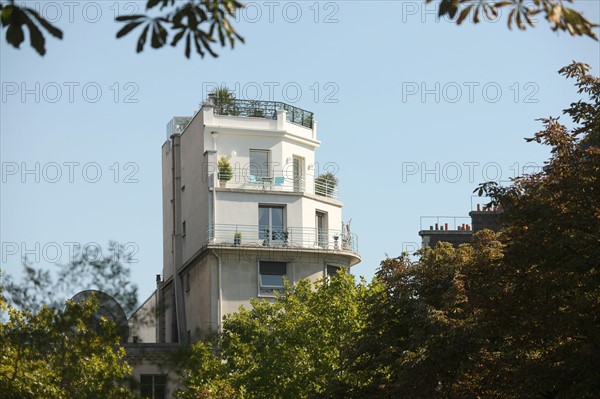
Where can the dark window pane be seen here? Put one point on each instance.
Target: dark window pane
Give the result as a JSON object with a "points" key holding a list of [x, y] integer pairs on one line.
{"points": [[273, 268]]}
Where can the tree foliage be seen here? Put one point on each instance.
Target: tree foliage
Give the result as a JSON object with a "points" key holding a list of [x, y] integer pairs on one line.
{"points": [[55, 348], [510, 315], [60, 354], [41, 286], [202, 24], [520, 13], [287, 349]]}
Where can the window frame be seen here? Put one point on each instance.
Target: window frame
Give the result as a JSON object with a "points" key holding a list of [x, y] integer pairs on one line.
{"points": [[266, 175], [274, 236], [153, 386], [270, 290]]}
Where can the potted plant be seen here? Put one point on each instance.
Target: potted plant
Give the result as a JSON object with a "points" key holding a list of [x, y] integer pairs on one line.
{"points": [[237, 238], [225, 171], [224, 101], [325, 184]]}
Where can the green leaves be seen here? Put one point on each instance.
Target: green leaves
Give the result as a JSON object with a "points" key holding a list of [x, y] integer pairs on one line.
{"points": [[291, 348], [197, 21], [520, 14], [15, 18], [53, 353]]}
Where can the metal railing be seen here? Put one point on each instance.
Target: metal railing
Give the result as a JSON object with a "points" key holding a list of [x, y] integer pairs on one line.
{"points": [[261, 109], [281, 237], [280, 180], [445, 223]]}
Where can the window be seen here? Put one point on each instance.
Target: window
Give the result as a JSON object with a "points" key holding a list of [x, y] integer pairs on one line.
{"points": [[153, 386], [331, 271], [271, 275], [259, 164], [271, 226], [321, 224]]}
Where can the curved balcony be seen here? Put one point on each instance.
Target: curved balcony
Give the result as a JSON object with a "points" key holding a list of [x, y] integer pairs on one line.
{"points": [[253, 236]]}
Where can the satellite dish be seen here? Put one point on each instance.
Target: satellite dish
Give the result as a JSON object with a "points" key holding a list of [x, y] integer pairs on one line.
{"points": [[109, 308]]}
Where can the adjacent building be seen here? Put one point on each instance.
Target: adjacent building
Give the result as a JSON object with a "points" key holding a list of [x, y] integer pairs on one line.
{"points": [[456, 229]]}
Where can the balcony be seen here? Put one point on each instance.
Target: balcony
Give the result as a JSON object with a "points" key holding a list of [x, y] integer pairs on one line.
{"points": [[261, 109], [255, 236], [281, 181]]}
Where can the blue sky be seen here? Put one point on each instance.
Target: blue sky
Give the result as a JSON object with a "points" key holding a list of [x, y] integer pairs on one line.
{"points": [[414, 112]]}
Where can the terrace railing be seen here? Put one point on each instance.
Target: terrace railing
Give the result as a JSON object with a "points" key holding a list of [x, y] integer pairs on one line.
{"points": [[281, 180], [261, 109], [282, 237]]}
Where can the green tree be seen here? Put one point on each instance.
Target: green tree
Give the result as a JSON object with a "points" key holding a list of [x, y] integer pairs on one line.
{"points": [[204, 23], [55, 348], [552, 240], [326, 184], [60, 354], [513, 315], [287, 349], [521, 14]]}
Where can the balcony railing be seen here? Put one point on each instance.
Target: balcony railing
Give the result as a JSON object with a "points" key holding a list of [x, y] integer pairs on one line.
{"points": [[280, 181], [249, 236], [261, 109], [445, 223]]}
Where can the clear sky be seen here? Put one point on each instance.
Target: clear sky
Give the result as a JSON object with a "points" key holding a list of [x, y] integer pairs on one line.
{"points": [[413, 111]]}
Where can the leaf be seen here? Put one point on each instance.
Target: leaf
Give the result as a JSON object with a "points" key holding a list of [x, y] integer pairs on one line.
{"points": [[510, 19], [14, 34], [142, 39], [54, 31], [152, 3], [125, 18], [159, 35], [178, 37], [36, 38], [188, 49], [128, 28], [464, 14]]}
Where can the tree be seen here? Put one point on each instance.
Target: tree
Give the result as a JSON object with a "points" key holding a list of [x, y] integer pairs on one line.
{"points": [[513, 315], [61, 354], [326, 184], [55, 348], [521, 14], [204, 23], [84, 271], [287, 349]]}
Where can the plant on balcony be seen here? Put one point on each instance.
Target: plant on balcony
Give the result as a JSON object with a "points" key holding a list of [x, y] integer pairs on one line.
{"points": [[326, 184], [237, 238], [224, 101], [225, 171]]}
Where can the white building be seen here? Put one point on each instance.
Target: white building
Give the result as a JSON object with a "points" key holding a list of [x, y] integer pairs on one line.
{"points": [[226, 242]]}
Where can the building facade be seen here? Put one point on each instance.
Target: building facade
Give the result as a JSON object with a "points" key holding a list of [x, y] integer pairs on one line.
{"points": [[456, 229], [244, 209]]}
